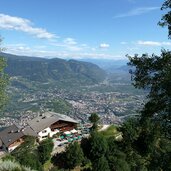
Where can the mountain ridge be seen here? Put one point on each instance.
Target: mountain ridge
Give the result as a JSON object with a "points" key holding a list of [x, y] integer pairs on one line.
{"points": [[57, 69]]}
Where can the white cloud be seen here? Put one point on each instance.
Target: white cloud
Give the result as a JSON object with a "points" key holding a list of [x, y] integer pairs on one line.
{"points": [[70, 41], [21, 49], [104, 45], [20, 24], [74, 48], [137, 11], [69, 44], [153, 43], [17, 47]]}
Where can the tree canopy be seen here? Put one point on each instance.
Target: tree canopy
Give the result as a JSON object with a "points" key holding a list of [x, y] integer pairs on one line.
{"points": [[146, 139], [3, 80], [166, 19], [74, 155], [26, 154], [94, 119], [153, 73], [44, 150]]}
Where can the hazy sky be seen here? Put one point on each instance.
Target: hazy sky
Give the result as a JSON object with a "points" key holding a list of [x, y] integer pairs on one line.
{"points": [[82, 28]]}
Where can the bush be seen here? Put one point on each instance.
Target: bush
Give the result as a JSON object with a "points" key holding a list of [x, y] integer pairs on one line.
{"points": [[12, 166]]}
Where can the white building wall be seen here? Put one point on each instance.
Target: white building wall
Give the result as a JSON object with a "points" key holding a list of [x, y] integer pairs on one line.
{"points": [[46, 133]]}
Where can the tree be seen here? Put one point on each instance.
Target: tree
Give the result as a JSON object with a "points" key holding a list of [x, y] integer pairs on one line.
{"points": [[166, 19], [3, 80], [130, 131], [9, 165], [98, 146], [26, 154], [74, 155], [56, 169], [27, 146], [30, 159], [45, 149], [85, 145], [116, 158], [153, 73], [94, 119], [101, 164]]}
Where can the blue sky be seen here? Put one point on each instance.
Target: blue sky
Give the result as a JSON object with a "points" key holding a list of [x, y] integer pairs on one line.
{"points": [[82, 28]]}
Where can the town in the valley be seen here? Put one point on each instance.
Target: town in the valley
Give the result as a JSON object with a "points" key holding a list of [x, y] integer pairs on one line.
{"points": [[113, 107]]}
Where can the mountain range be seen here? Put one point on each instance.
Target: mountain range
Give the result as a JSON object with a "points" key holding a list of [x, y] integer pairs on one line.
{"points": [[110, 65], [56, 69]]}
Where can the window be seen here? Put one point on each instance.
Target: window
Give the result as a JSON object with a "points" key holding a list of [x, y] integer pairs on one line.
{"points": [[44, 131]]}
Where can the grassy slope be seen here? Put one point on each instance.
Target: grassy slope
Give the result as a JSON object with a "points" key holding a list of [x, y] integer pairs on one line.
{"points": [[111, 131]]}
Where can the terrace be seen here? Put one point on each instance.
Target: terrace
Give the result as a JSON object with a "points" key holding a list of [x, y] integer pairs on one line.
{"points": [[69, 136]]}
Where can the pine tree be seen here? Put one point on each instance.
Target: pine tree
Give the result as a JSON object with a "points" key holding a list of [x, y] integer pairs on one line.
{"points": [[74, 155]]}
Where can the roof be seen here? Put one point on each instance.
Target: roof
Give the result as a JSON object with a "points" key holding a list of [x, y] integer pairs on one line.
{"points": [[46, 119], [10, 134], [29, 131]]}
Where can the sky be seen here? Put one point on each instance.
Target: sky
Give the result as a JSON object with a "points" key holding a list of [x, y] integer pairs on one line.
{"points": [[103, 29]]}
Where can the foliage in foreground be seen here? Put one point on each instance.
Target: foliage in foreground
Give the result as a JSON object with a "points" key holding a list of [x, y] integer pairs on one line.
{"points": [[44, 150], [9, 165], [3, 80], [96, 153], [26, 154]]}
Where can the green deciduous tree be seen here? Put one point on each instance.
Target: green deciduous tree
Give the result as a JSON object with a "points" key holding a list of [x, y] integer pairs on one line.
{"points": [[45, 149]]}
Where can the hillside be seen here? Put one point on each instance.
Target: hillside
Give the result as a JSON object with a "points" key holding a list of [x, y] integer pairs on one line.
{"points": [[44, 70]]}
